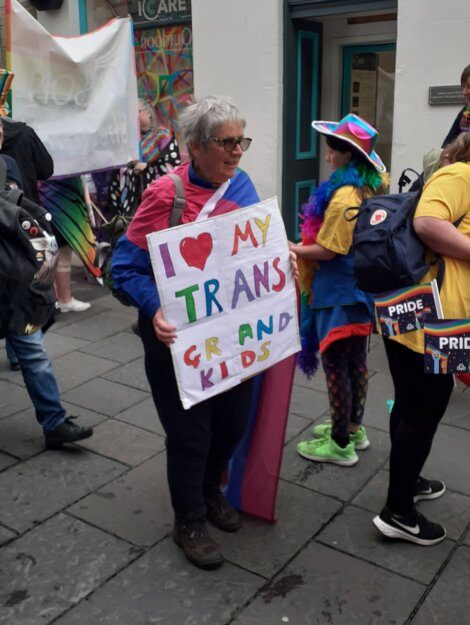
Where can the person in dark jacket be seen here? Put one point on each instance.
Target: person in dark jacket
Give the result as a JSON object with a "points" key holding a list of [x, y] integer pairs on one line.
{"points": [[24, 346], [462, 121], [34, 161]]}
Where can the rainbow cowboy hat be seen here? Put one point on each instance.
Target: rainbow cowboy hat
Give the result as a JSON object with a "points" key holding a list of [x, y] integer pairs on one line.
{"points": [[355, 131]]}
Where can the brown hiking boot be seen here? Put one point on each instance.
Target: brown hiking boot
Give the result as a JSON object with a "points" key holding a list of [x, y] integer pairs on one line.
{"points": [[221, 514], [198, 546]]}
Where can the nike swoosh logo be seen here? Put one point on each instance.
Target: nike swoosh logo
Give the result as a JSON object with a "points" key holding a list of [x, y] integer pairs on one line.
{"points": [[412, 530], [426, 491]]}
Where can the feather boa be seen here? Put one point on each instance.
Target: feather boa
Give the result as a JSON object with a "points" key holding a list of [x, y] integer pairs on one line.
{"points": [[353, 174]]}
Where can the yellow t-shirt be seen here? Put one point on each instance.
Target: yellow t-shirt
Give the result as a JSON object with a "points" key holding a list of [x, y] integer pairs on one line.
{"points": [[446, 196], [336, 233]]}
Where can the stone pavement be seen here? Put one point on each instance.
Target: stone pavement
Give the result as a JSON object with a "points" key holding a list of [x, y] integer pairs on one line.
{"points": [[84, 533]]}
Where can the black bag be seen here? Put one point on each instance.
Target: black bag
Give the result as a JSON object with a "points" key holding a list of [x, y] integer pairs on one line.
{"points": [[117, 227], [28, 258], [388, 255]]}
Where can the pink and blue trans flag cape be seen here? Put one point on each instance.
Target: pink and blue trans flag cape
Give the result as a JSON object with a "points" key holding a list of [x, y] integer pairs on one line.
{"points": [[255, 466]]}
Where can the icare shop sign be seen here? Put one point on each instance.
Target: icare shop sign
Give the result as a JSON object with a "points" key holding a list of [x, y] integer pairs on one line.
{"points": [[161, 12]]}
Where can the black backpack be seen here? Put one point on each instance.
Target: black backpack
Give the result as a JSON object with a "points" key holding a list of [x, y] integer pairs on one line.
{"points": [[388, 255], [28, 258]]}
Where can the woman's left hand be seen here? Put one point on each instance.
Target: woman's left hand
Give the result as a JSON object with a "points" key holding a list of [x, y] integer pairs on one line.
{"points": [[293, 265]]}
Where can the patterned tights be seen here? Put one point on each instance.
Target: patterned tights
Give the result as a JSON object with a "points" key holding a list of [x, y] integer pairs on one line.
{"points": [[345, 365]]}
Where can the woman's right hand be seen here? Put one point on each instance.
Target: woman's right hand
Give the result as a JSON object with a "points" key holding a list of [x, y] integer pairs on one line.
{"points": [[165, 332]]}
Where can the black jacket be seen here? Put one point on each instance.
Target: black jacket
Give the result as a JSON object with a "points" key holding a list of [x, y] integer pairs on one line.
{"points": [[454, 129], [35, 163]]}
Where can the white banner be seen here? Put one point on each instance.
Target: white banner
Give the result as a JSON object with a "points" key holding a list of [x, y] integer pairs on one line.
{"points": [[78, 93], [226, 284]]}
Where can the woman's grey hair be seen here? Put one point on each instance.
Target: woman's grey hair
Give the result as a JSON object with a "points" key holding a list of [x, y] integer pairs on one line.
{"points": [[199, 120]]}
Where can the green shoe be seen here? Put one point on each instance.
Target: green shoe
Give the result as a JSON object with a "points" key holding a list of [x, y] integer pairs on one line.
{"points": [[360, 440], [326, 450]]}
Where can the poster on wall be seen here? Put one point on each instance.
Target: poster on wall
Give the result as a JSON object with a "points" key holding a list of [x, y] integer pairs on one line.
{"points": [[364, 86], [164, 61], [226, 285]]}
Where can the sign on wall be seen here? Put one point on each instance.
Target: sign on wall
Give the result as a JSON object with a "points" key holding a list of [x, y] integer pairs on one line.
{"points": [[160, 12], [450, 94], [226, 284]]}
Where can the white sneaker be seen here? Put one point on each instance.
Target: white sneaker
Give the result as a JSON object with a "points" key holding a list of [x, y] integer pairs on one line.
{"points": [[74, 305]]}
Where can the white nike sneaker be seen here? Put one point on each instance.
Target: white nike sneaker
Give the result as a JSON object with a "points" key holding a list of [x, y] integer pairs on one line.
{"points": [[75, 305], [413, 527]]}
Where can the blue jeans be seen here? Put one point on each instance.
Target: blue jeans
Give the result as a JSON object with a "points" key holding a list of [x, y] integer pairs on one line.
{"points": [[38, 377]]}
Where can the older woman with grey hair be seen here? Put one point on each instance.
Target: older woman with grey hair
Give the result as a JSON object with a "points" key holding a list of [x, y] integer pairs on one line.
{"points": [[201, 440]]}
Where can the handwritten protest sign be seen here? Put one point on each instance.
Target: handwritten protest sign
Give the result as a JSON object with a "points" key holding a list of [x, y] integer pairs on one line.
{"points": [[406, 310], [226, 284], [447, 346]]}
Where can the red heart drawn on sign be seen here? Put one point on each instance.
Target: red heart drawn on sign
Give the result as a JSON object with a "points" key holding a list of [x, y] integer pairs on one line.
{"points": [[196, 251]]}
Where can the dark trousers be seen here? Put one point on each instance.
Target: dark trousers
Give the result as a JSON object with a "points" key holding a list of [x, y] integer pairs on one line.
{"points": [[345, 365], [199, 441], [421, 400]]}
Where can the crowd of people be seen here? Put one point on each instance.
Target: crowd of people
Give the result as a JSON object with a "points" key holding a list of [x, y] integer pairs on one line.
{"points": [[336, 317]]}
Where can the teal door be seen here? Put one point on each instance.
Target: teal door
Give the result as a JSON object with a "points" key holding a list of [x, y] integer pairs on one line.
{"points": [[302, 63]]}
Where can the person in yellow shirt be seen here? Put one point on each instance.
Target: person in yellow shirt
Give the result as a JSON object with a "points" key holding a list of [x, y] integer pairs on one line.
{"points": [[421, 399], [336, 316]]}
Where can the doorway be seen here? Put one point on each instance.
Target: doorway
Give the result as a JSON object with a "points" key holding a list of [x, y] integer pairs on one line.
{"points": [[368, 90]]}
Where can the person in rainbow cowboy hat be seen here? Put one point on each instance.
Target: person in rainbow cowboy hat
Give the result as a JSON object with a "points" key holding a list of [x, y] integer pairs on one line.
{"points": [[336, 317]]}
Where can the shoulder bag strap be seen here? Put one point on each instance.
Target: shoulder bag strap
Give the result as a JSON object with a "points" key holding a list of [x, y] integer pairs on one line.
{"points": [[179, 202]]}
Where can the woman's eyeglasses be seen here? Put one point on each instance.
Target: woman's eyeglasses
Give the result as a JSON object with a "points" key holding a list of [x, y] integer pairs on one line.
{"points": [[230, 144]]}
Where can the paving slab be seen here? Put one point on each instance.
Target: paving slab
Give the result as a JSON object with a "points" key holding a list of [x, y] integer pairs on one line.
{"points": [[317, 382], [162, 587], [329, 479], [5, 535], [108, 301], [264, 548], [376, 412], [451, 510], [449, 600], [458, 411], [103, 324], [22, 436], [5, 460], [352, 531], [135, 506], [122, 347], [38, 488], [450, 446], [12, 399], [53, 567], [75, 368], [131, 374], [123, 442], [58, 344], [104, 396], [143, 415], [325, 587], [309, 403], [295, 425], [66, 319], [377, 358]]}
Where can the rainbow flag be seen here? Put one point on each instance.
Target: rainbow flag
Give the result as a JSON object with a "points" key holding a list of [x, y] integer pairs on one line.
{"points": [[64, 199], [255, 466]]}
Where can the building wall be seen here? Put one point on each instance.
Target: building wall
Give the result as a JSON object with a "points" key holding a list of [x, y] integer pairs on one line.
{"points": [[238, 49], [433, 47]]}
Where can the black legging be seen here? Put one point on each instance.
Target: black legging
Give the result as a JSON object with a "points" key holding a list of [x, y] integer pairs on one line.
{"points": [[421, 400], [199, 441], [345, 365]]}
